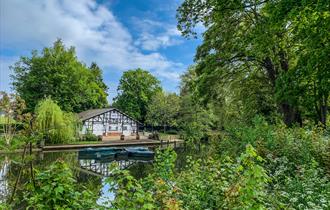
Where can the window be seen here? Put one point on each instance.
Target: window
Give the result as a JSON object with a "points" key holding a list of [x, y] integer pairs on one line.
{"points": [[113, 128], [124, 128]]}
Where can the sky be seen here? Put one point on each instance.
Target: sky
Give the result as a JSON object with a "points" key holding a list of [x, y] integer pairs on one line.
{"points": [[116, 34]]}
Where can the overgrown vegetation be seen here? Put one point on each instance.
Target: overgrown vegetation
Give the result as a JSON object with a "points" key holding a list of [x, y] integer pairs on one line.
{"points": [[278, 168], [266, 175], [55, 188], [53, 124]]}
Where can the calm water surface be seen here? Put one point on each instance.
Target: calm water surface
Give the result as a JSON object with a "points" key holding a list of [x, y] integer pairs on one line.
{"points": [[90, 173]]}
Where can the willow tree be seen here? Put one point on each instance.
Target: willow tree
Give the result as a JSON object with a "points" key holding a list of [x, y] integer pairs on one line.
{"points": [[53, 124]]}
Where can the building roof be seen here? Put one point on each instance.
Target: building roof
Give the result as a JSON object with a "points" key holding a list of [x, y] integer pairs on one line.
{"points": [[85, 115]]}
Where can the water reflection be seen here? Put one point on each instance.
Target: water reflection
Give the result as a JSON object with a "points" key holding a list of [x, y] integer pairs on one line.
{"points": [[4, 186], [90, 173], [103, 169]]}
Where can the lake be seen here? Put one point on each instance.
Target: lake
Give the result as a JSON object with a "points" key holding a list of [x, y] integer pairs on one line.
{"points": [[90, 173]]}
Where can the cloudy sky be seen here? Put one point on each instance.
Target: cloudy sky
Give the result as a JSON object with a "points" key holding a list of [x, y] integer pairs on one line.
{"points": [[117, 34]]}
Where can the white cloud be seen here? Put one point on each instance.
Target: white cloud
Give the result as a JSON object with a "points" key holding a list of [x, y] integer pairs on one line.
{"points": [[155, 35], [91, 28]]}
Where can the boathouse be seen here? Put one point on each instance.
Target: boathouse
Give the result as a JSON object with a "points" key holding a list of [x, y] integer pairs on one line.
{"points": [[108, 122]]}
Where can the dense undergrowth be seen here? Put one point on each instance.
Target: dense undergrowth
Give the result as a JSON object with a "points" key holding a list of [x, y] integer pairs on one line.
{"points": [[247, 167]]}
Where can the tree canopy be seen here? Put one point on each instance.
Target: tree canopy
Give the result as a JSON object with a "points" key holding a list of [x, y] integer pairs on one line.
{"points": [[276, 47], [163, 110], [135, 90], [56, 72]]}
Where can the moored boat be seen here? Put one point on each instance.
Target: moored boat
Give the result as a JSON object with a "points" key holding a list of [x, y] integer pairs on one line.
{"points": [[139, 152], [113, 152], [102, 152]]}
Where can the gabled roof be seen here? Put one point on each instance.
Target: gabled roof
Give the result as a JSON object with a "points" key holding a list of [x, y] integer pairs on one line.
{"points": [[85, 115]]}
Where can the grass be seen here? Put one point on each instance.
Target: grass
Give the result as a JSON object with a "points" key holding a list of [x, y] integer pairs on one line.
{"points": [[166, 136]]}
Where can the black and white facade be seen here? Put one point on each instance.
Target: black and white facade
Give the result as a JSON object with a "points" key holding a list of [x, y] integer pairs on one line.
{"points": [[108, 122]]}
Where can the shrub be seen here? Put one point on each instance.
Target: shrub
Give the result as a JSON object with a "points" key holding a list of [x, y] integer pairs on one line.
{"points": [[91, 137], [55, 188]]}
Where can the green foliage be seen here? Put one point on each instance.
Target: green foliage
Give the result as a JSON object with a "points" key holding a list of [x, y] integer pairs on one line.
{"points": [[164, 164], [152, 192], [55, 188], [210, 184], [135, 90], [163, 110], [56, 126], [299, 145], [224, 184], [194, 119], [17, 142], [57, 73], [262, 57], [12, 109], [306, 187], [129, 192], [90, 137], [257, 166]]}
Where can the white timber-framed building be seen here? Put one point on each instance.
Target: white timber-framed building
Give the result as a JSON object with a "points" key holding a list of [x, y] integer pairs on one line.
{"points": [[108, 122]]}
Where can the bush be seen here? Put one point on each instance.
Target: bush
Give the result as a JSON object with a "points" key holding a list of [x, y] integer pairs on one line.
{"points": [[55, 188], [203, 185], [91, 137]]}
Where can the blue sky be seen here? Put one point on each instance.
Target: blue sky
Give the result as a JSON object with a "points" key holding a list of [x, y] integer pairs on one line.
{"points": [[116, 34]]}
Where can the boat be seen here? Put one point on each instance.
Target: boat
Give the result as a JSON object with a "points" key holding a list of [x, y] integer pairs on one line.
{"points": [[91, 150], [106, 154], [102, 152], [139, 152], [86, 156], [114, 152]]}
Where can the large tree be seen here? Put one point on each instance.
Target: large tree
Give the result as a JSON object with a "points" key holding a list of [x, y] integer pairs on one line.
{"points": [[163, 110], [135, 90], [194, 120], [57, 73], [264, 40]]}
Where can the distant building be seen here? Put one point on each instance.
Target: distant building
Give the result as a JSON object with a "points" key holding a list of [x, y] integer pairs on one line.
{"points": [[108, 122]]}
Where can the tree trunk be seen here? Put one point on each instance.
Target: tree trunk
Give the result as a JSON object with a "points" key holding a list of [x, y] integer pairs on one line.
{"points": [[324, 110], [323, 119], [290, 114]]}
